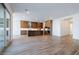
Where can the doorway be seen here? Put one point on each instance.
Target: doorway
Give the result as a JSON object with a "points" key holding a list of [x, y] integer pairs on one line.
{"points": [[66, 27]]}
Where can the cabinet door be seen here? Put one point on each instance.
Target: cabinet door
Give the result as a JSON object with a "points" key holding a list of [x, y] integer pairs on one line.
{"points": [[34, 24], [40, 25], [24, 24]]}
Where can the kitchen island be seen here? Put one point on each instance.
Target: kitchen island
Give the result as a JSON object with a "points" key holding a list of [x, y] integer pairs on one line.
{"points": [[35, 32]]}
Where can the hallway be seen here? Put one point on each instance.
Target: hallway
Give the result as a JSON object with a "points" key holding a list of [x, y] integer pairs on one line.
{"points": [[43, 45]]}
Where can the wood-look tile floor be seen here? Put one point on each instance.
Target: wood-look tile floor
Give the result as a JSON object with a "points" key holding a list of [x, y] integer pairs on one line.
{"points": [[43, 45]]}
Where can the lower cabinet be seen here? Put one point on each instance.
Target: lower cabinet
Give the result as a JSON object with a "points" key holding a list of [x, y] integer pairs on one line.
{"points": [[35, 33], [23, 32]]}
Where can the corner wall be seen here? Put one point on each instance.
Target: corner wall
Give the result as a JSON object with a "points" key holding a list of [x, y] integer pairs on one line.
{"points": [[76, 27], [56, 28]]}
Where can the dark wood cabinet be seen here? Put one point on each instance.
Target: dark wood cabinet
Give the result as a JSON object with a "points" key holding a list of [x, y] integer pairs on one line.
{"points": [[48, 24], [24, 24], [34, 24], [47, 32], [37, 25], [40, 25], [34, 33], [23, 32]]}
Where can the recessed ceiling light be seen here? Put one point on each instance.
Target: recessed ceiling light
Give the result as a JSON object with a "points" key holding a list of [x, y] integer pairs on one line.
{"points": [[26, 10]]}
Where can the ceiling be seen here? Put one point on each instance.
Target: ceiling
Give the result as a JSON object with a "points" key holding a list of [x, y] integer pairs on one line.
{"points": [[42, 10]]}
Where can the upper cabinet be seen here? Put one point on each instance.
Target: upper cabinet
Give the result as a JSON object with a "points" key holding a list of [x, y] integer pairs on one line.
{"points": [[37, 25], [24, 24], [29, 24], [40, 25], [34, 24], [48, 24]]}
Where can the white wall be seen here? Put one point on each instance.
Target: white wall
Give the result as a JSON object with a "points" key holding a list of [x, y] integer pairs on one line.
{"points": [[56, 27], [61, 26], [65, 27], [16, 22], [75, 27]]}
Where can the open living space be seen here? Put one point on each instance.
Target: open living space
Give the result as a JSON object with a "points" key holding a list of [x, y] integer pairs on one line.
{"points": [[39, 28]]}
